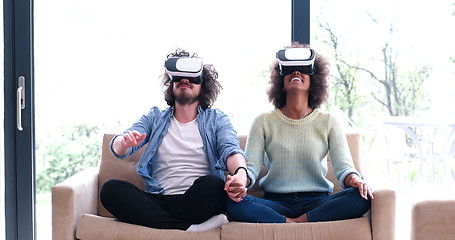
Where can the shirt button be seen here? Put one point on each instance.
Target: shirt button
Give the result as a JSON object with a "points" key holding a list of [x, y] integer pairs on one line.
{"points": [[140, 166], [153, 152], [162, 136]]}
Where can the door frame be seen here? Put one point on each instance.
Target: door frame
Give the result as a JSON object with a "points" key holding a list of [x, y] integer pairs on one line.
{"points": [[19, 144]]}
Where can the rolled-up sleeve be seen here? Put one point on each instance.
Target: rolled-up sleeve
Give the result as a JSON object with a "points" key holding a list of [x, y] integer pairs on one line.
{"points": [[142, 125], [227, 142]]}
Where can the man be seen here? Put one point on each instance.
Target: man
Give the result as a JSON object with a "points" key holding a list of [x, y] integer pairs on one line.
{"points": [[189, 146]]}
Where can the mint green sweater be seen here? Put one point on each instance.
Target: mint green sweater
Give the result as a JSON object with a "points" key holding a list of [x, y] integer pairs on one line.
{"points": [[296, 152]]}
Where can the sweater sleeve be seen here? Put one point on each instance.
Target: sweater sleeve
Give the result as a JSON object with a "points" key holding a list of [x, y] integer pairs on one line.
{"points": [[340, 154], [254, 149]]}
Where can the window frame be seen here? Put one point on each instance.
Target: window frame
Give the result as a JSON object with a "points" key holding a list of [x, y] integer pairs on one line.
{"points": [[19, 145]]}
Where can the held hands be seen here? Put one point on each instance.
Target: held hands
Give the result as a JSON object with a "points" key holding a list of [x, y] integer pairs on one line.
{"points": [[235, 186], [363, 187]]}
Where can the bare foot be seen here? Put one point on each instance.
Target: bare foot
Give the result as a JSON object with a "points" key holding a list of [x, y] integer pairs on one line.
{"points": [[300, 219], [290, 220]]}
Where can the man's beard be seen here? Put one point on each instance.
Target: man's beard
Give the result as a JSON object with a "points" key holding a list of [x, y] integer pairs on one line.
{"points": [[184, 98]]}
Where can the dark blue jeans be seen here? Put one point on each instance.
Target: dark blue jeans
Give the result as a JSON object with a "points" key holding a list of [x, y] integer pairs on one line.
{"points": [[319, 206]]}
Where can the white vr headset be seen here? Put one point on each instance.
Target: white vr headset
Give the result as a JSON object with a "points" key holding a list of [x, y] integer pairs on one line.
{"points": [[184, 67], [296, 59]]}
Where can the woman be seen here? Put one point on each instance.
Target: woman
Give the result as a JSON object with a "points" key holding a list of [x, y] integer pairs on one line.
{"points": [[293, 141]]}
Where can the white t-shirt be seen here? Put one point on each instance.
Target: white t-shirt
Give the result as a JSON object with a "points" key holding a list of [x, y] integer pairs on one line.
{"points": [[181, 158]]}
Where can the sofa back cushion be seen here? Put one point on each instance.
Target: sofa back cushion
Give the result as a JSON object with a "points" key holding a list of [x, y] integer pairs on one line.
{"points": [[115, 168], [125, 169]]}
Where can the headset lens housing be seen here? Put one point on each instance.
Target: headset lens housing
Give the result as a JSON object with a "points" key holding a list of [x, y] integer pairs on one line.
{"points": [[296, 59], [179, 68]]}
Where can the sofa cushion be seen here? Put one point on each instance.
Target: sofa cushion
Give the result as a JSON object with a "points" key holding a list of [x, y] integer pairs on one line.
{"points": [[92, 227], [358, 228]]}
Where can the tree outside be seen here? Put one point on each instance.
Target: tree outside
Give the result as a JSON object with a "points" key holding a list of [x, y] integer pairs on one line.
{"points": [[344, 79], [375, 76]]}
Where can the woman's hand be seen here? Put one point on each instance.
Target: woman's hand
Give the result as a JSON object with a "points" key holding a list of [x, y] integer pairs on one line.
{"points": [[235, 187], [237, 180], [363, 187]]}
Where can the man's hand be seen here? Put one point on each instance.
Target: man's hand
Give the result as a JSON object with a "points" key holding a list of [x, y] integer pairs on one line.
{"points": [[235, 186], [132, 139], [122, 143]]}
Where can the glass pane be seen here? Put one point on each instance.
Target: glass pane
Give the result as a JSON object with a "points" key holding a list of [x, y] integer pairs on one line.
{"points": [[98, 65], [401, 46]]}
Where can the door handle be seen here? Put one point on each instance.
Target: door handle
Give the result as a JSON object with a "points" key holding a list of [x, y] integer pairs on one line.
{"points": [[20, 101]]}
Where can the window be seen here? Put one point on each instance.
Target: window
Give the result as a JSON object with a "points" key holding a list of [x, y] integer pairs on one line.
{"points": [[410, 40], [97, 70]]}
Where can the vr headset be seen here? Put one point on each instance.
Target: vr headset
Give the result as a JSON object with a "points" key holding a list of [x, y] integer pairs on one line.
{"points": [[184, 67], [296, 59]]}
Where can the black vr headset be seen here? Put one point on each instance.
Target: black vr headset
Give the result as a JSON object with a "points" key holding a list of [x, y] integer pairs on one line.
{"points": [[296, 59], [184, 67]]}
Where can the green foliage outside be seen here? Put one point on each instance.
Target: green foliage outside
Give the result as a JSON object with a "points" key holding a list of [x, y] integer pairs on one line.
{"points": [[64, 153]]}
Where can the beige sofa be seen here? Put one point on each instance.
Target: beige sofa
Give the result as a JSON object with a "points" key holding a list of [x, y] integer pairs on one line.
{"points": [[433, 220], [77, 212]]}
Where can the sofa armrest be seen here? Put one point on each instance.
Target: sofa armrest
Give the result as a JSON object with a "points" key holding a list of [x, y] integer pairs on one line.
{"points": [[383, 211], [433, 219], [72, 198]]}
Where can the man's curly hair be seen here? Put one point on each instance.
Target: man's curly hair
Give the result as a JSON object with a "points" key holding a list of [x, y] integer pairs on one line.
{"points": [[318, 82], [210, 87]]}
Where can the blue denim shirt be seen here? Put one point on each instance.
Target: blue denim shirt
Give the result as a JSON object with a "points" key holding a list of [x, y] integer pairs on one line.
{"points": [[218, 136]]}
